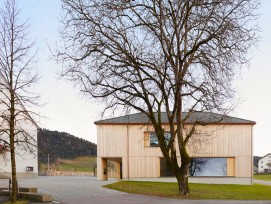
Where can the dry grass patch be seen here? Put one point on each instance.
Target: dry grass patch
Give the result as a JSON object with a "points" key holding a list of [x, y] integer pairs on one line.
{"points": [[17, 202]]}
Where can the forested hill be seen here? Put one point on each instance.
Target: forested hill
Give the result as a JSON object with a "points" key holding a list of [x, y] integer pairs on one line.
{"points": [[63, 145]]}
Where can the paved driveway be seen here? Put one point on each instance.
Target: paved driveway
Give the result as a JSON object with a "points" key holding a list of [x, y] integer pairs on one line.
{"points": [[87, 190]]}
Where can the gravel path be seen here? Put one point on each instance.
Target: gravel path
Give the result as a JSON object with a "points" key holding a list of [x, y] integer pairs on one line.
{"points": [[87, 190]]}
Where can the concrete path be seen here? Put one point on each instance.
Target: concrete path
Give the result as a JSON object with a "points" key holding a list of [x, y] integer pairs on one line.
{"points": [[267, 183], [87, 190]]}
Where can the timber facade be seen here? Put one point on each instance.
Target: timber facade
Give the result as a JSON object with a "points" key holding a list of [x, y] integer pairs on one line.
{"points": [[221, 151]]}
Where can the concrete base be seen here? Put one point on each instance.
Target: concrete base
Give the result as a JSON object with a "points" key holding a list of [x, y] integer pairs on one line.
{"points": [[36, 196], [4, 192], [206, 180], [32, 190], [221, 180], [30, 194]]}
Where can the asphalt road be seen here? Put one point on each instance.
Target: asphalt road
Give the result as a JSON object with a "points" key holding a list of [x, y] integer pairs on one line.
{"points": [[87, 190]]}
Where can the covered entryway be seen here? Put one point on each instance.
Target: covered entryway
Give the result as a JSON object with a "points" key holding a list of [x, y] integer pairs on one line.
{"points": [[164, 170], [109, 168]]}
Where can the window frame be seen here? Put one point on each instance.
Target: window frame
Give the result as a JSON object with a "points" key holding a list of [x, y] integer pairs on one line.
{"points": [[149, 137]]}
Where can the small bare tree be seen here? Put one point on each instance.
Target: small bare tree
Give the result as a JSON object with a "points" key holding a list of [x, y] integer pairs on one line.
{"points": [[17, 76], [157, 56]]}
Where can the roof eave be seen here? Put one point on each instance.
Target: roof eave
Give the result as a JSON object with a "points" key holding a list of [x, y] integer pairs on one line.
{"points": [[189, 123]]}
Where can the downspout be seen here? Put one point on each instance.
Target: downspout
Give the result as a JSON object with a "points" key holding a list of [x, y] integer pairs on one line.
{"points": [[128, 148], [252, 158]]}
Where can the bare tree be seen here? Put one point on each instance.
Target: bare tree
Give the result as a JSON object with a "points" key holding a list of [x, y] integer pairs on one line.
{"points": [[156, 56], [17, 76]]}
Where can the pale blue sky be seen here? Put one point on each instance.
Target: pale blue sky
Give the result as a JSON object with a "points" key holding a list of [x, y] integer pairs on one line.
{"points": [[69, 112]]}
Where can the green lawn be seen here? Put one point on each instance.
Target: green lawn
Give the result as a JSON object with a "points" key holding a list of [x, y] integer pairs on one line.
{"points": [[198, 191], [81, 164], [266, 177], [74, 167]]}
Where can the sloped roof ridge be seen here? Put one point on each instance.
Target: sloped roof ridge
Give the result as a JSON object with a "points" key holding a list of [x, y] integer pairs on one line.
{"points": [[265, 155], [208, 117], [227, 116], [234, 117]]}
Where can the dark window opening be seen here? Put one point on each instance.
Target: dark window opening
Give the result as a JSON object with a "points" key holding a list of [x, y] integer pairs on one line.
{"points": [[154, 141], [164, 170], [29, 168]]}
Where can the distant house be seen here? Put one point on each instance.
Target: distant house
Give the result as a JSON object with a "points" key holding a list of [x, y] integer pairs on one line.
{"points": [[264, 164], [26, 162], [224, 157]]}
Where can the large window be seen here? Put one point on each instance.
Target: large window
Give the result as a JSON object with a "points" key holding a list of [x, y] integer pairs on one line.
{"points": [[152, 141], [212, 167], [209, 167]]}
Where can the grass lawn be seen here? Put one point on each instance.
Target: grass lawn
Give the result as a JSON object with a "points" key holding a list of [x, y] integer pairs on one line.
{"points": [[84, 164], [198, 191], [266, 177], [80, 164]]}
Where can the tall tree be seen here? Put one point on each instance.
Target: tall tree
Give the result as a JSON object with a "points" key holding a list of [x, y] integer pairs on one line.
{"points": [[17, 76], [157, 56]]}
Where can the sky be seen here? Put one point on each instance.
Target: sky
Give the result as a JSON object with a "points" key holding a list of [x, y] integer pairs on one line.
{"points": [[66, 110]]}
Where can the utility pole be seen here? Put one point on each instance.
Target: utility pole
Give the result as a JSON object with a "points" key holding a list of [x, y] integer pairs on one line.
{"points": [[48, 162]]}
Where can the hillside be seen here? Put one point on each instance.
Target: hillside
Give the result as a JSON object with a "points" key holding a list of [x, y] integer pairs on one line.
{"points": [[62, 145]]}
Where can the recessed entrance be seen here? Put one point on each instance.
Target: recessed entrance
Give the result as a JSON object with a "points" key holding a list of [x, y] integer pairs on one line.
{"points": [[111, 168], [164, 170]]}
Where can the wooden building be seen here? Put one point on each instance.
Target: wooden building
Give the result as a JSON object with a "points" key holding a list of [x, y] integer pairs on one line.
{"points": [[221, 151]]}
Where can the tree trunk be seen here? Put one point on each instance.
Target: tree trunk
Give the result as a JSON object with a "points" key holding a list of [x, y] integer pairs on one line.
{"points": [[12, 133], [13, 176], [12, 149], [182, 173], [182, 179]]}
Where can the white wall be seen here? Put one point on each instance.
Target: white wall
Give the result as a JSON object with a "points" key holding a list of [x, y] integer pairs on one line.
{"points": [[26, 155], [24, 159], [262, 164]]}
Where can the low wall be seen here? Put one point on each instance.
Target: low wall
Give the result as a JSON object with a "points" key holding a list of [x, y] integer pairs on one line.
{"points": [[27, 174], [65, 173]]}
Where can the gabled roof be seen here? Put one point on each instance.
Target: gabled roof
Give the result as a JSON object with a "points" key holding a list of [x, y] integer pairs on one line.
{"points": [[201, 117], [265, 156]]}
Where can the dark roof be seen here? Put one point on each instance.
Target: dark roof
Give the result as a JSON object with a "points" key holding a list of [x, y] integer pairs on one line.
{"points": [[265, 155], [202, 117]]}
